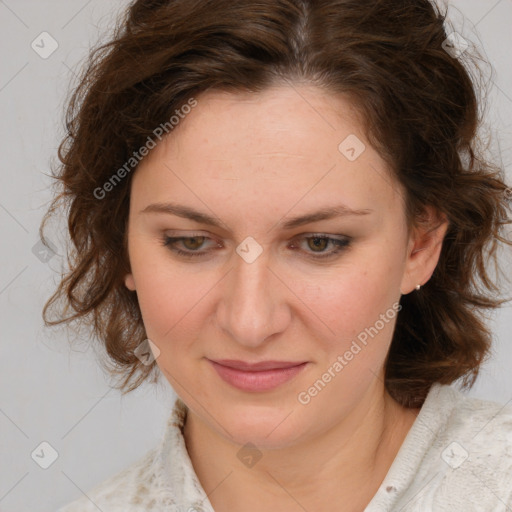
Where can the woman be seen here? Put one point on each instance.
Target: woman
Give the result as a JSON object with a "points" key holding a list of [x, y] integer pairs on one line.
{"points": [[280, 207]]}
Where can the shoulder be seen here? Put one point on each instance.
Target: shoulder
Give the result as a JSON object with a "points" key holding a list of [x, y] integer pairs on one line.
{"points": [[121, 492], [468, 462], [483, 425], [163, 479], [456, 456]]}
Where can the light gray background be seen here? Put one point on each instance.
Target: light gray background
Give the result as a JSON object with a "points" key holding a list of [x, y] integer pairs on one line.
{"points": [[51, 393]]}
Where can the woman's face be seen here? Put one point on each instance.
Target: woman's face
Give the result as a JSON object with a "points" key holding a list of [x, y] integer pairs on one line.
{"points": [[264, 283]]}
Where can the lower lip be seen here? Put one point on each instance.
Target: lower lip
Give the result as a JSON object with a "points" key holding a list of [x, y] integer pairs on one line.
{"points": [[257, 381]]}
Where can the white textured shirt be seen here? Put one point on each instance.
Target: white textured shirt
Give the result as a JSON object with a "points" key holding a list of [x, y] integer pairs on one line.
{"points": [[456, 457]]}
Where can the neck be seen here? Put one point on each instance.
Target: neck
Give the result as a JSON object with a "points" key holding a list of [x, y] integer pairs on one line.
{"points": [[321, 470]]}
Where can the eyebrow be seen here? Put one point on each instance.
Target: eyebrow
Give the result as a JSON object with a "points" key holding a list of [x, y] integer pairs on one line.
{"points": [[203, 218]]}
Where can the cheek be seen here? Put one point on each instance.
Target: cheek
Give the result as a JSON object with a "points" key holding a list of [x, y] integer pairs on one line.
{"points": [[351, 299], [358, 309], [168, 294], [173, 313], [361, 314], [169, 304]]}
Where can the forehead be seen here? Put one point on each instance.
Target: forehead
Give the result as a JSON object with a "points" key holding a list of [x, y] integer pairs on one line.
{"points": [[283, 143], [290, 118]]}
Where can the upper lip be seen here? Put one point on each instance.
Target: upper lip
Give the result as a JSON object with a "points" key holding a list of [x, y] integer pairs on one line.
{"points": [[254, 367]]}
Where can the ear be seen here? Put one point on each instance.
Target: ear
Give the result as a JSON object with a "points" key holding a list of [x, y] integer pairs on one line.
{"points": [[129, 282], [128, 278], [424, 249]]}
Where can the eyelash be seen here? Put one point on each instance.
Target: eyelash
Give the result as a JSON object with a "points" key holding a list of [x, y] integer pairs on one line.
{"points": [[340, 243]]}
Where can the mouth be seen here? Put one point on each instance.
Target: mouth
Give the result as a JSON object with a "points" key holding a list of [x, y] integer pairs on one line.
{"points": [[256, 377]]}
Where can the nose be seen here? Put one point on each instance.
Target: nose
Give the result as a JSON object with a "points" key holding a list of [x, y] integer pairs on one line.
{"points": [[253, 305]]}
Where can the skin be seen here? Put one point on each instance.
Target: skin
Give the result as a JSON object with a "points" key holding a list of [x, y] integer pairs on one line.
{"points": [[252, 161]]}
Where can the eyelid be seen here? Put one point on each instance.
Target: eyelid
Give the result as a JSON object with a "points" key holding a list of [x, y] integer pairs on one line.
{"points": [[194, 234], [341, 243], [170, 240]]}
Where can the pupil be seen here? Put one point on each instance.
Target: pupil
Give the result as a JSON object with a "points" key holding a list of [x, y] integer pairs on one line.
{"points": [[191, 241], [319, 242]]}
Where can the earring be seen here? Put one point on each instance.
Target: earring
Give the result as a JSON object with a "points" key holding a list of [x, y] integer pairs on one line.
{"points": [[418, 287]]}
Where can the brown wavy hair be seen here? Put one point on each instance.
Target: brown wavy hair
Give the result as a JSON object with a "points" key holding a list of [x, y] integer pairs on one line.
{"points": [[420, 109]]}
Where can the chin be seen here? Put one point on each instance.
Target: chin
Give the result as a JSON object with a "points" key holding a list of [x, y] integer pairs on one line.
{"points": [[267, 427]]}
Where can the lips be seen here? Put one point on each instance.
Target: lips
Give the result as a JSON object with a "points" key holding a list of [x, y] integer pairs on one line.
{"points": [[257, 367], [256, 377]]}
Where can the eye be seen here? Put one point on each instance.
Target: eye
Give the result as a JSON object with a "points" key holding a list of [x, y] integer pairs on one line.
{"points": [[190, 243], [319, 242], [316, 245]]}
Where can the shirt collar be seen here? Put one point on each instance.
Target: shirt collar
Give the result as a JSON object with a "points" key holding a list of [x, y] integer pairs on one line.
{"points": [[175, 466]]}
